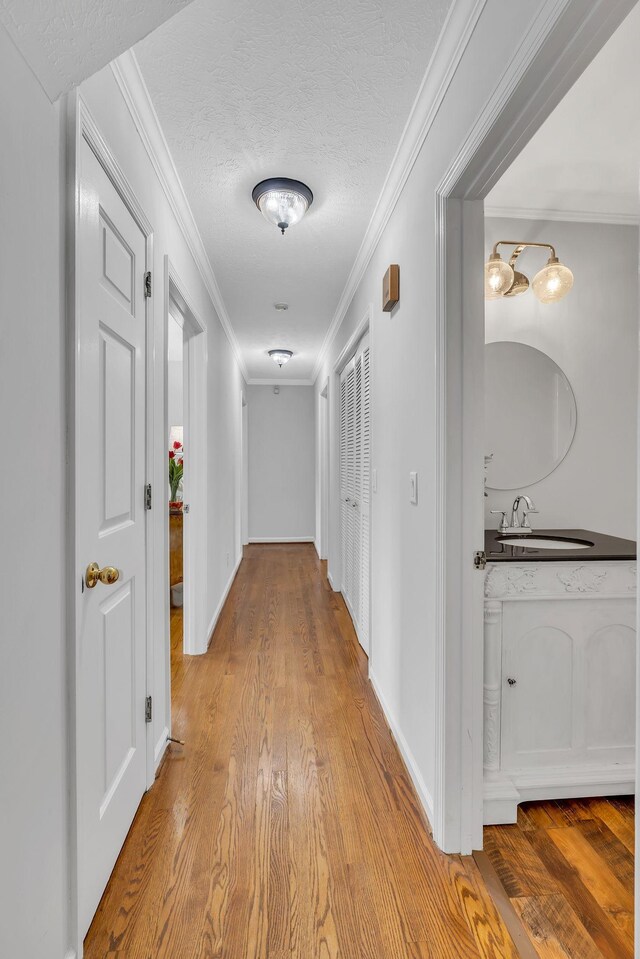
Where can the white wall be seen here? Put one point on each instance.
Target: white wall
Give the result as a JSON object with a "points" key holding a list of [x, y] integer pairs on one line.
{"points": [[33, 690], [404, 557], [175, 388], [33, 788], [281, 463], [592, 335], [175, 377]]}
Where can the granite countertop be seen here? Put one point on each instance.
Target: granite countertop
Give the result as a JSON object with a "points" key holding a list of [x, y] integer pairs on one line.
{"points": [[604, 548]]}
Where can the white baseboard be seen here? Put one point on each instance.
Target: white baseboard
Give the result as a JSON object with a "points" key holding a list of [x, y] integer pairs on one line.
{"points": [[315, 543], [335, 588], [223, 599], [503, 792], [424, 795], [161, 747], [282, 539]]}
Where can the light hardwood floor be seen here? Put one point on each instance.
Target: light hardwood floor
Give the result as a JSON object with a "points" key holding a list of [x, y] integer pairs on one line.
{"points": [[287, 827]]}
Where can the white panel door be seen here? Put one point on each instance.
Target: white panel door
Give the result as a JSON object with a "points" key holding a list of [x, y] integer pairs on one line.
{"points": [[110, 518]]}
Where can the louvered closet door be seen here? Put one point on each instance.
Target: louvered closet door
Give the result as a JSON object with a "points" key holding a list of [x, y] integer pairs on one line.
{"points": [[356, 499], [350, 555], [355, 489], [344, 497], [365, 497]]}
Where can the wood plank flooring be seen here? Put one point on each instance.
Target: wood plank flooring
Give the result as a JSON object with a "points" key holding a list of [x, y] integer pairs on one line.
{"points": [[567, 868], [287, 827], [178, 661]]}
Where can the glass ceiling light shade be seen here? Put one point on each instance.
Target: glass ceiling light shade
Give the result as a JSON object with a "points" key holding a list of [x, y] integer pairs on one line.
{"points": [[280, 356], [282, 201], [502, 279], [553, 281], [498, 277]]}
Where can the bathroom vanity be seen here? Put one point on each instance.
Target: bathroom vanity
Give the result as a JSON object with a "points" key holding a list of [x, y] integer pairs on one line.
{"points": [[559, 669]]}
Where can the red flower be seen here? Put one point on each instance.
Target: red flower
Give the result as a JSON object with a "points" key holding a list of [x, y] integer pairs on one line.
{"points": [[177, 445], [171, 454]]}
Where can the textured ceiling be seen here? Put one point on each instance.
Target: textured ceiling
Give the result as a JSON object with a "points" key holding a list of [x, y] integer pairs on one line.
{"points": [[316, 91], [65, 41], [586, 157]]}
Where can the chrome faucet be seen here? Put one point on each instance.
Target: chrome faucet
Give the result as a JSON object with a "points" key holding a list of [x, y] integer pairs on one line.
{"points": [[515, 523]]}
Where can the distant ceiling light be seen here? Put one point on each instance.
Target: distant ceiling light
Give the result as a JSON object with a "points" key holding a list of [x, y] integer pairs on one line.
{"points": [[282, 201], [280, 356], [550, 284], [281, 306]]}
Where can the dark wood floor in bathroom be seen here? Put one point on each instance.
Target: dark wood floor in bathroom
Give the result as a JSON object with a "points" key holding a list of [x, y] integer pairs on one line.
{"points": [[567, 868]]}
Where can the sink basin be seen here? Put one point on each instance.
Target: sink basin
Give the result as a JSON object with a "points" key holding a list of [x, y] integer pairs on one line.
{"points": [[544, 542]]}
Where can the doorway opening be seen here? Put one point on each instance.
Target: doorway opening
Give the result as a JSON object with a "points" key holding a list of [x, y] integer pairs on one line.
{"points": [[184, 452], [542, 70], [560, 453], [177, 381]]}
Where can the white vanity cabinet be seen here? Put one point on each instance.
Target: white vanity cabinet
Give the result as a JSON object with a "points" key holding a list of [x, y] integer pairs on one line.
{"points": [[559, 682]]}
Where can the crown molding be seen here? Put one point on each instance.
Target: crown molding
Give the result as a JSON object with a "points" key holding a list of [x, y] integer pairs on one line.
{"points": [[568, 216], [454, 38], [126, 71], [281, 382]]}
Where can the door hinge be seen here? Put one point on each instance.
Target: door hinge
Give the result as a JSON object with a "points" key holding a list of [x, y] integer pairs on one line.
{"points": [[148, 709], [147, 284], [147, 496], [480, 559]]}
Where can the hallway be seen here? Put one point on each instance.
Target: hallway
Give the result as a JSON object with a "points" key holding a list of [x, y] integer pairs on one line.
{"points": [[287, 827]]}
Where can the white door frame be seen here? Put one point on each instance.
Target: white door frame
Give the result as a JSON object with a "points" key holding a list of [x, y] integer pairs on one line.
{"points": [[195, 481], [549, 60], [244, 504], [81, 127], [324, 470], [239, 475]]}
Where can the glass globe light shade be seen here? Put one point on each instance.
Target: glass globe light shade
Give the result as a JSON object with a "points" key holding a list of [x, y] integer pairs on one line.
{"points": [[553, 281], [498, 277], [282, 202], [280, 356]]}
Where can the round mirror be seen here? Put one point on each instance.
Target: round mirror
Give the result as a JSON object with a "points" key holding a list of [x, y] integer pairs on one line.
{"points": [[530, 415]]}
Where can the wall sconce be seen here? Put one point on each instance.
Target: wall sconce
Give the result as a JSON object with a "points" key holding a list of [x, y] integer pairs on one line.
{"points": [[550, 284]]}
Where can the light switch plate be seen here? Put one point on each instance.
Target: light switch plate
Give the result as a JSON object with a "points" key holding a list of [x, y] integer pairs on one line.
{"points": [[413, 485], [374, 481]]}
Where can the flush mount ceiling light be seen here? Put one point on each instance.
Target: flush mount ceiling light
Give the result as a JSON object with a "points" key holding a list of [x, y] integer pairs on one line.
{"points": [[550, 284], [282, 201], [280, 356]]}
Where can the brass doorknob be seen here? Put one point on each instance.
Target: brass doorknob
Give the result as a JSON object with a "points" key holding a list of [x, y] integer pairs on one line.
{"points": [[108, 575]]}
